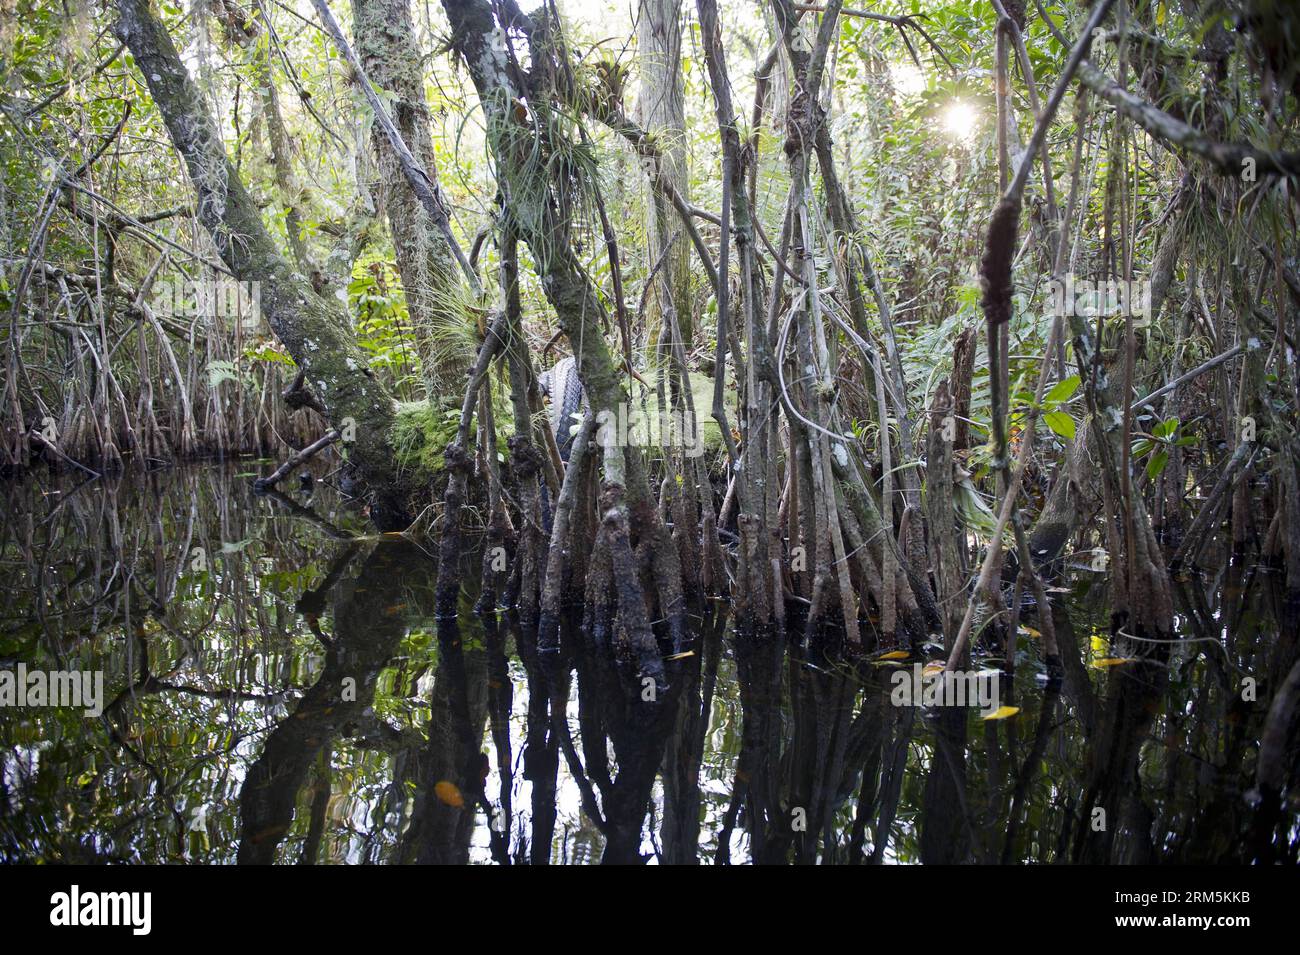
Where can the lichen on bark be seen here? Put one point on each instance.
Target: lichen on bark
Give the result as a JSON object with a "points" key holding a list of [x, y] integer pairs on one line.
{"points": [[316, 332]]}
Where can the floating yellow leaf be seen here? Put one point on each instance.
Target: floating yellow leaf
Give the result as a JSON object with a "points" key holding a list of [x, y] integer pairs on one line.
{"points": [[1105, 662], [895, 655], [1002, 712], [449, 793], [932, 669], [1031, 632], [680, 656]]}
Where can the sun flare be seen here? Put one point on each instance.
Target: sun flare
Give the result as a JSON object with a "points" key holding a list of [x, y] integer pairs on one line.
{"points": [[960, 119]]}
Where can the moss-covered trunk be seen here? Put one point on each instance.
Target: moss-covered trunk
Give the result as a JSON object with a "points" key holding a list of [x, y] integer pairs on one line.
{"points": [[317, 333]]}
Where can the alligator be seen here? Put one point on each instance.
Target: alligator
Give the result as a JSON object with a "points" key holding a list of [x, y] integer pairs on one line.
{"points": [[561, 385]]}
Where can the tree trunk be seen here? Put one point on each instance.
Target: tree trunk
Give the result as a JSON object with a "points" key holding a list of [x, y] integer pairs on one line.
{"points": [[317, 333], [521, 125], [385, 42], [661, 112]]}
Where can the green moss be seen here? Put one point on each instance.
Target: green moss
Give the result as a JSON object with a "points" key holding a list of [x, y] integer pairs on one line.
{"points": [[421, 432], [702, 395]]}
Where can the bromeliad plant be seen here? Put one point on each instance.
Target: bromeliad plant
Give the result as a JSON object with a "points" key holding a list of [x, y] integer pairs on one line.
{"points": [[1157, 445]]}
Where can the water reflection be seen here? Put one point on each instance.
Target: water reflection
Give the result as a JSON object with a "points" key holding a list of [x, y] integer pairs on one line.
{"points": [[278, 690]]}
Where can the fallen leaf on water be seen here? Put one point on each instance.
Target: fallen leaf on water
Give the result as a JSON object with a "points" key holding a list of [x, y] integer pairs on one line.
{"points": [[1002, 712], [1112, 662], [1032, 632], [932, 669], [895, 655], [681, 656], [448, 793]]}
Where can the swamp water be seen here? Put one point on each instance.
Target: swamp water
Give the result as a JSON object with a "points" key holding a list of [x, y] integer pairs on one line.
{"points": [[275, 688]]}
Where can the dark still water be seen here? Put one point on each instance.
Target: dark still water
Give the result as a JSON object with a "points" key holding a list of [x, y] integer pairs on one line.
{"points": [[275, 688]]}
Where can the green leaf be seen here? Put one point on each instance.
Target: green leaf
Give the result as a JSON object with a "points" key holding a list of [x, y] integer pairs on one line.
{"points": [[1165, 428], [1061, 423], [221, 371], [1062, 391], [1157, 463]]}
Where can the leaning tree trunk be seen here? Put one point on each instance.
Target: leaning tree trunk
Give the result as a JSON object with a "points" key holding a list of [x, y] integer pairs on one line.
{"points": [[316, 333]]}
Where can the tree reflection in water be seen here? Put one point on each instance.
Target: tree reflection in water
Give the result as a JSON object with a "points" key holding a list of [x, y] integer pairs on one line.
{"points": [[280, 691]]}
